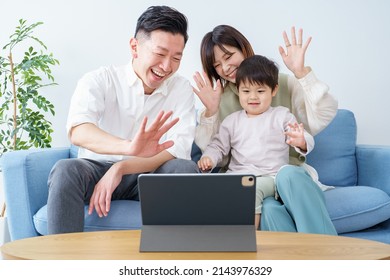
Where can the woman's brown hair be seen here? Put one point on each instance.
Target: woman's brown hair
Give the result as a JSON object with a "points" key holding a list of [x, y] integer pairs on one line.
{"points": [[222, 35]]}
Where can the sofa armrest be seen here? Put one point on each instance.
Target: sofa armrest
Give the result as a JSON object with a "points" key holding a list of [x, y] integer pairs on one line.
{"points": [[373, 166], [25, 175]]}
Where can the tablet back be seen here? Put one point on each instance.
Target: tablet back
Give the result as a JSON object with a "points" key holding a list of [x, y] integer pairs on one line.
{"points": [[197, 212]]}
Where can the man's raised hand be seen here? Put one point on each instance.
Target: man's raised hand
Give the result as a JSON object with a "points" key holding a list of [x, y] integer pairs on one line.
{"points": [[146, 141]]}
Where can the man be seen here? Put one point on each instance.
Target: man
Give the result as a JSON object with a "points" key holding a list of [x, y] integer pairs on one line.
{"points": [[108, 119]]}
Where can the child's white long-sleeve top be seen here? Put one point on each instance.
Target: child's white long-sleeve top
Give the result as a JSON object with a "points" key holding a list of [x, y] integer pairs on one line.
{"points": [[258, 144]]}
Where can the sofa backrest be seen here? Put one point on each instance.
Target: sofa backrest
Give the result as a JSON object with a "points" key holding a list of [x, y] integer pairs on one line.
{"points": [[334, 153]]}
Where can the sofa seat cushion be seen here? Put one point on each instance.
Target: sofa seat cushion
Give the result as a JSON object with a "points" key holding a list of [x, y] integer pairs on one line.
{"points": [[357, 208], [124, 214], [379, 232]]}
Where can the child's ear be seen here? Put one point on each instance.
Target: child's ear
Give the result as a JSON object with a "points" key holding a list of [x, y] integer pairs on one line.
{"points": [[275, 90]]}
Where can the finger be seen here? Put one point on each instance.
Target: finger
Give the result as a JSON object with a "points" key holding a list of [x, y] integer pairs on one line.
{"points": [[218, 86], [201, 166], [198, 79], [158, 121], [108, 203], [307, 44], [206, 79], [166, 127], [209, 163], [286, 40], [196, 91], [166, 145], [282, 52], [102, 207], [91, 206], [300, 34], [97, 208], [164, 119], [293, 38], [143, 124]]}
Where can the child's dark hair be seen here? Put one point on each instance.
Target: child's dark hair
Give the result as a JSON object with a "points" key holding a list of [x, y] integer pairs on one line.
{"points": [[258, 69], [162, 18]]}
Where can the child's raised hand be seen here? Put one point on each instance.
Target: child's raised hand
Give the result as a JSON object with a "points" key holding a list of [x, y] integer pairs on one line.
{"points": [[205, 164], [296, 136]]}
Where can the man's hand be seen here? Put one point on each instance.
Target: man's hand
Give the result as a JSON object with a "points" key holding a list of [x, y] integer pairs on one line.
{"points": [[101, 196], [146, 141]]}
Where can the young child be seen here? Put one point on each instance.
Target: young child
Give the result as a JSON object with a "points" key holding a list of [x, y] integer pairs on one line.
{"points": [[258, 137]]}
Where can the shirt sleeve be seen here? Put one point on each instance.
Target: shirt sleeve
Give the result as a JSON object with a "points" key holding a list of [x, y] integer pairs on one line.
{"points": [[87, 103], [206, 129], [312, 104], [219, 146], [183, 132]]}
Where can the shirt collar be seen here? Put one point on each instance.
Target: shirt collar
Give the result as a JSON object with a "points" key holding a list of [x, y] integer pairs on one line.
{"points": [[132, 78]]}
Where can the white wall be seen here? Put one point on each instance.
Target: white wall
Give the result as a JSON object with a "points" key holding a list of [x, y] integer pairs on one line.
{"points": [[350, 49]]}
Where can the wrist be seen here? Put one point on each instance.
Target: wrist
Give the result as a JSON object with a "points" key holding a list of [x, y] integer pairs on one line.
{"points": [[125, 147], [209, 113], [119, 168], [302, 72]]}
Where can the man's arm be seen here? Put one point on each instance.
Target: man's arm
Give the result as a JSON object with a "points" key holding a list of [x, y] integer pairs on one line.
{"points": [[145, 143], [101, 197]]}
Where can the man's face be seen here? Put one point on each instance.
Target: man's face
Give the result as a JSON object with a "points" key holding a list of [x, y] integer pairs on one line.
{"points": [[157, 58]]}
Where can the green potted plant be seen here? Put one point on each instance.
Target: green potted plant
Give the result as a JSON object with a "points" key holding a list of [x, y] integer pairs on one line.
{"points": [[25, 69]]}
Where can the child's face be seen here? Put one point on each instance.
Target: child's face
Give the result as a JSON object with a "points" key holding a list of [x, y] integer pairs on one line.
{"points": [[255, 99]]}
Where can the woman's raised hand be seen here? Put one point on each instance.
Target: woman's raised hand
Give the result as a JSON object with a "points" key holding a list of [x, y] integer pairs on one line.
{"points": [[294, 54], [210, 96]]}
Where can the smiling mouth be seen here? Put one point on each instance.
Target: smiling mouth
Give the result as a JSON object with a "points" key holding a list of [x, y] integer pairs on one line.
{"points": [[158, 74], [232, 74]]}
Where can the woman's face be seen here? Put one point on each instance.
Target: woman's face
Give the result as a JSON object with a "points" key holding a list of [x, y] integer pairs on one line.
{"points": [[226, 64]]}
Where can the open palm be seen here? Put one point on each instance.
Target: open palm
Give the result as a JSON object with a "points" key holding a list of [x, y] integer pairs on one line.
{"points": [[146, 141]]}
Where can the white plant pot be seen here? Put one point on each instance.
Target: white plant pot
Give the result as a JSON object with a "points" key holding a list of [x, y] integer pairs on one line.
{"points": [[4, 232]]}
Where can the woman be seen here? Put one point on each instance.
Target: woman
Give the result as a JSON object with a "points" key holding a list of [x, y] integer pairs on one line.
{"points": [[222, 50]]}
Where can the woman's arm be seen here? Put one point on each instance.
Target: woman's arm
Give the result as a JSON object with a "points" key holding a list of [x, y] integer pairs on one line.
{"points": [[312, 104], [310, 99], [206, 129]]}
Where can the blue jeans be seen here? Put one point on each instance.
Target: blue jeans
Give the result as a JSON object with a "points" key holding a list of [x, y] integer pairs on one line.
{"points": [[72, 181], [302, 208]]}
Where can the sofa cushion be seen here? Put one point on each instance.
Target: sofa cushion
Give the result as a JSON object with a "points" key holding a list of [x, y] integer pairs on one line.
{"points": [[124, 214], [334, 153], [379, 232], [357, 207]]}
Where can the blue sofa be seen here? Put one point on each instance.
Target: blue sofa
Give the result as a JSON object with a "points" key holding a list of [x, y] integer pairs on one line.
{"points": [[359, 205]]}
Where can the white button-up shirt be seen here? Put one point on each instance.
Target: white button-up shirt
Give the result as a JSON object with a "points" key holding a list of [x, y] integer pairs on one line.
{"points": [[113, 99]]}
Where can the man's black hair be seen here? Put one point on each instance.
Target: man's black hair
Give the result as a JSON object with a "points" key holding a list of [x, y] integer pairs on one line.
{"points": [[162, 18]]}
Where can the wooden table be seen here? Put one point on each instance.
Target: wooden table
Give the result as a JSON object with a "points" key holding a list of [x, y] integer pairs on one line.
{"points": [[120, 245]]}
